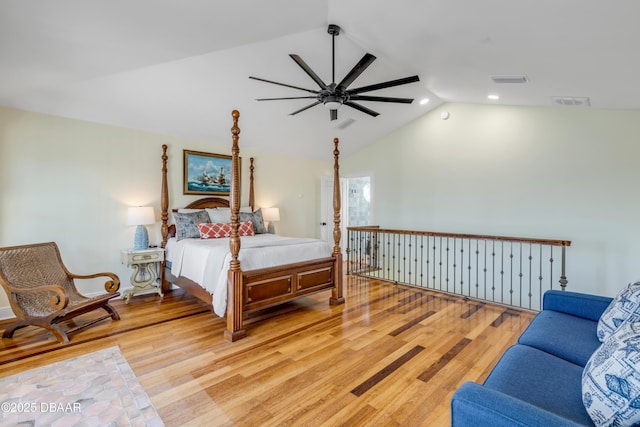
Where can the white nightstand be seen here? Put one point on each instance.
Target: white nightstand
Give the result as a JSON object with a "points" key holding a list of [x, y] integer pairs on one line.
{"points": [[146, 264]]}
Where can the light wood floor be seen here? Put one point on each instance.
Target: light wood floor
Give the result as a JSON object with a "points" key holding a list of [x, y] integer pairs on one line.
{"points": [[390, 356]]}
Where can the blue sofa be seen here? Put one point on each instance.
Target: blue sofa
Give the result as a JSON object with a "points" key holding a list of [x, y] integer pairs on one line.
{"points": [[538, 381]]}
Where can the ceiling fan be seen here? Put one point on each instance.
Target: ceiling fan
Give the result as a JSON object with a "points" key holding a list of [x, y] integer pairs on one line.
{"points": [[334, 95]]}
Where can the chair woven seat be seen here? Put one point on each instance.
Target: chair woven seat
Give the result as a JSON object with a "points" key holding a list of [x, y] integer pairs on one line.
{"points": [[42, 291]]}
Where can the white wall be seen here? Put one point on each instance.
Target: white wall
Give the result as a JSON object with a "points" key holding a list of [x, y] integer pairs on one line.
{"points": [[528, 172], [71, 182]]}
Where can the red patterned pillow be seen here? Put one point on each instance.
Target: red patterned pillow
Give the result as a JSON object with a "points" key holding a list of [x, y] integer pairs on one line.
{"points": [[214, 230], [218, 230], [246, 228]]}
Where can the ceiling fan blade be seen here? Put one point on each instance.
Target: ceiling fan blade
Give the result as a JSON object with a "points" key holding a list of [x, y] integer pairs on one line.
{"points": [[292, 97], [362, 108], [362, 65], [309, 71], [333, 114], [283, 84], [384, 85], [381, 99], [305, 108]]}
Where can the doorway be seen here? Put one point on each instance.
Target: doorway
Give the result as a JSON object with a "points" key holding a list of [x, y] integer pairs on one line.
{"points": [[355, 206]]}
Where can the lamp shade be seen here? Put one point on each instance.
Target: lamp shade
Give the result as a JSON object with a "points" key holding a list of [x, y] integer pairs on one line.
{"points": [[271, 214], [140, 215]]}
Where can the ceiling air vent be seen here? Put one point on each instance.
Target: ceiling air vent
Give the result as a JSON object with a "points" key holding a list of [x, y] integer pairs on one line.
{"points": [[510, 79], [571, 101], [345, 123]]}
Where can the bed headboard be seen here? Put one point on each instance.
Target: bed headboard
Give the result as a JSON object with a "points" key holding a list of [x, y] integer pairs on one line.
{"points": [[207, 202]]}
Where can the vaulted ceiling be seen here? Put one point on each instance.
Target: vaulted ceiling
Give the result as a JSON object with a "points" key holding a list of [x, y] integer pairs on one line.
{"points": [[180, 67]]}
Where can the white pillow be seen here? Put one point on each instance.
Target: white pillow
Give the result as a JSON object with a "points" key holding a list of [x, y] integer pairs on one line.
{"points": [[222, 215], [186, 210], [625, 307], [611, 379]]}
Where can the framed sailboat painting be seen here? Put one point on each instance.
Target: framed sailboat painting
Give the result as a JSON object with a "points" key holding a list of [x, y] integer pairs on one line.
{"points": [[206, 173]]}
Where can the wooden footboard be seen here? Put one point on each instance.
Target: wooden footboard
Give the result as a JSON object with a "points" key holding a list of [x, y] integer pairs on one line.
{"points": [[267, 287], [270, 286]]}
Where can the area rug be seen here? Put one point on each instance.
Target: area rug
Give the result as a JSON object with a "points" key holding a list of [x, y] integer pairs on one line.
{"points": [[97, 389]]}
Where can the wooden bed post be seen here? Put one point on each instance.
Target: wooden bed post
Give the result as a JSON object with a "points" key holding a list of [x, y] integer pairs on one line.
{"points": [[337, 292], [164, 217], [235, 330], [164, 199], [251, 195]]}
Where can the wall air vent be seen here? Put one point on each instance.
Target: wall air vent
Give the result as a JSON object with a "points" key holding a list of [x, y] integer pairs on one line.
{"points": [[510, 79], [571, 101], [345, 123]]}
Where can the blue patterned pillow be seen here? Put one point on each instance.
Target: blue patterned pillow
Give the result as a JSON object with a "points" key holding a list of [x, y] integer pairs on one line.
{"points": [[625, 307], [256, 220], [187, 224], [611, 379]]}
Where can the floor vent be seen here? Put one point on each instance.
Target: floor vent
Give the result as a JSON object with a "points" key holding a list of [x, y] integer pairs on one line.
{"points": [[571, 101], [345, 123], [510, 79]]}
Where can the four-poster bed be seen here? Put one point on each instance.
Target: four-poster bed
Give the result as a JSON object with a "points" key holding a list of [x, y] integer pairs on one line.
{"points": [[256, 288]]}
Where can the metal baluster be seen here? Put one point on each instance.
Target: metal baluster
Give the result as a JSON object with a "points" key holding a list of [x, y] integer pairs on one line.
{"points": [[511, 273], [502, 272], [563, 275], [551, 269], [454, 264], [434, 262], [385, 255], [447, 265], [530, 275], [422, 259], [493, 271], [477, 267], [540, 277], [485, 268]]}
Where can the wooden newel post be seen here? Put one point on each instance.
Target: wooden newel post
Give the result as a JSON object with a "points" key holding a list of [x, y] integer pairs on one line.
{"points": [[235, 329], [337, 293]]}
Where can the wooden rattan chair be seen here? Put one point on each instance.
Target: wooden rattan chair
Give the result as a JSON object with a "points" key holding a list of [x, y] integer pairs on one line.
{"points": [[42, 291]]}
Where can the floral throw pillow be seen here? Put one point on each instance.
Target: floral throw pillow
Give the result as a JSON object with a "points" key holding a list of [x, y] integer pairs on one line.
{"points": [[187, 224], [625, 307], [256, 219], [611, 379]]}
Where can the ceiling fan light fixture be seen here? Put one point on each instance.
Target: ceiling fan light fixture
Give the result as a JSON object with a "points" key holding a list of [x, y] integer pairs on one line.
{"points": [[332, 105]]}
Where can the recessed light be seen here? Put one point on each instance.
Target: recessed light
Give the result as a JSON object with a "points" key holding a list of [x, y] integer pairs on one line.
{"points": [[510, 79], [424, 101], [493, 97]]}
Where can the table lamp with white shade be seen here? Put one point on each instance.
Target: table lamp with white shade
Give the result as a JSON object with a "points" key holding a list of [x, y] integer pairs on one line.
{"points": [[141, 216], [271, 215]]}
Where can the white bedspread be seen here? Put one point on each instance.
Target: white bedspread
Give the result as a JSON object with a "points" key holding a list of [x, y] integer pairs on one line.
{"points": [[206, 262]]}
